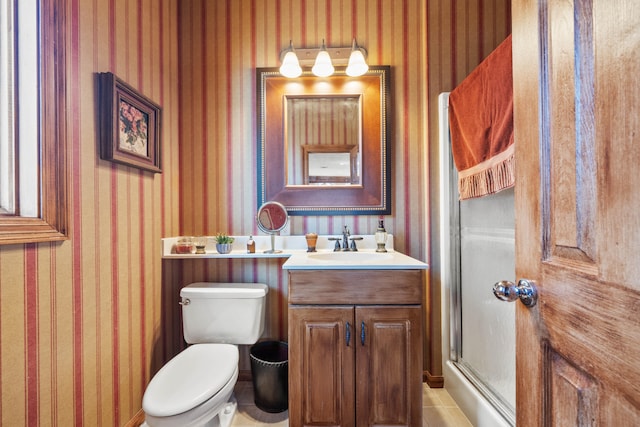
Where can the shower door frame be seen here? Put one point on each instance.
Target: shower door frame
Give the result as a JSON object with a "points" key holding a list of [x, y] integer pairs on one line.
{"points": [[451, 254]]}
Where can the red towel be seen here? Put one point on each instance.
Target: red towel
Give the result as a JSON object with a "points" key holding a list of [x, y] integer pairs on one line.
{"points": [[481, 126]]}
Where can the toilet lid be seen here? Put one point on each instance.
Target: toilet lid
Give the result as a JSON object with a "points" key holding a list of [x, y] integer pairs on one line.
{"points": [[190, 378]]}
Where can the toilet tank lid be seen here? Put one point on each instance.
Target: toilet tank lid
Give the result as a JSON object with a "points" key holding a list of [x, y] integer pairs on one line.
{"points": [[224, 290]]}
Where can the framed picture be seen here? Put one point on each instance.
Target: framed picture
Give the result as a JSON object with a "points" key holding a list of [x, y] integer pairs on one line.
{"points": [[129, 125]]}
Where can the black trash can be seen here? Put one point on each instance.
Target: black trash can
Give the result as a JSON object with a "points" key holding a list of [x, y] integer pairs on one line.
{"points": [[270, 373]]}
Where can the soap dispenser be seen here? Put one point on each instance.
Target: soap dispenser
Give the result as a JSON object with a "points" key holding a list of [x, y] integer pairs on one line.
{"points": [[381, 236]]}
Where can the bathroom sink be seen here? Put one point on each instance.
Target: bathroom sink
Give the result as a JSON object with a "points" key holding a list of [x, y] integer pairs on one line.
{"points": [[350, 257], [365, 259]]}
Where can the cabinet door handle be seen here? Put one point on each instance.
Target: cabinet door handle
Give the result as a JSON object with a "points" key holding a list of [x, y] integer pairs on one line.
{"points": [[362, 333], [348, 333]]}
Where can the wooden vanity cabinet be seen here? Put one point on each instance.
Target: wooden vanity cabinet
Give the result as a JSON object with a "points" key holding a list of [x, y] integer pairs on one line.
{"points": [[355, 347]]}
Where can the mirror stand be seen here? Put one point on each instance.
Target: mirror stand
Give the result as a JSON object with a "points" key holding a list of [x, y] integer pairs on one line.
{"points": [[273, 245]]}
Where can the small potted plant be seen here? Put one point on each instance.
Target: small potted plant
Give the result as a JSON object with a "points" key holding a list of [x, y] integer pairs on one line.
{"points": [[223, 243]]}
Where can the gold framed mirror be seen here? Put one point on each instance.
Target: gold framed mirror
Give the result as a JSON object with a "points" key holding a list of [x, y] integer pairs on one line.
{"points": [[323, 142]]}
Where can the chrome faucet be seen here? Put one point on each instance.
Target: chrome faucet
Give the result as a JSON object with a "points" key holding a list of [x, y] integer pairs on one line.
{"points": [[345, 238]]}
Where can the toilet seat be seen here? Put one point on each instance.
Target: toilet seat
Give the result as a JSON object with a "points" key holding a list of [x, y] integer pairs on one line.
{"points": [[190, 379]]}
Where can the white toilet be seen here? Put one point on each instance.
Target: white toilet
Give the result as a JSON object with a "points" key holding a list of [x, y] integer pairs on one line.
{"points": [[195, 388]]}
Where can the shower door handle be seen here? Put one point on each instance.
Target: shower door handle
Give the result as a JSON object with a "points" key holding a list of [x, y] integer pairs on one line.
{"points": [[525, 291]]}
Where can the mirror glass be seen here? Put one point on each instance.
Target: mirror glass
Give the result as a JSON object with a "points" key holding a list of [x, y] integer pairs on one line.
{"points": [[322, 142], [272, 217]]}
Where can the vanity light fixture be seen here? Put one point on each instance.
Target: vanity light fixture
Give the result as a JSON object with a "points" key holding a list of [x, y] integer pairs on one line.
{"points": [[290, 66], [323, 59]]}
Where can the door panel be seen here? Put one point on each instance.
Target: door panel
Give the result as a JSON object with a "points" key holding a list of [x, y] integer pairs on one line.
{"points": [[321, 366], [576, 121], [568, 163], [388, 357], [574, 393]]}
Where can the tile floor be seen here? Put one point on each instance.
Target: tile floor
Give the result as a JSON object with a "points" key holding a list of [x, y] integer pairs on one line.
{"points": [[439, 410]]}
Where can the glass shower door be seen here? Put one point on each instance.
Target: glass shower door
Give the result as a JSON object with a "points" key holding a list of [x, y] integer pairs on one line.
{"points": [[485, 344]]}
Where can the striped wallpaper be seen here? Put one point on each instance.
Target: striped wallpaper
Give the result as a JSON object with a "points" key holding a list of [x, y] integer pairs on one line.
{"points": [[86, 322], [80, 319], [221, 44]]}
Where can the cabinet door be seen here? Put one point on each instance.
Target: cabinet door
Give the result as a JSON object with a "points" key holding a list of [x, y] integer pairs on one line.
{"points": [[389, 366], [321, 366]]}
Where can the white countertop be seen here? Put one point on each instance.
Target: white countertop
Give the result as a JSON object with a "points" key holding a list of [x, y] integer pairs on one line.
{"points": [[295, 249], [286, 244]]}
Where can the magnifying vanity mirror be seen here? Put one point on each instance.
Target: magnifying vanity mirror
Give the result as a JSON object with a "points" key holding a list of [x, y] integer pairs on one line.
{"points": [[272, 217], [323, 142]]}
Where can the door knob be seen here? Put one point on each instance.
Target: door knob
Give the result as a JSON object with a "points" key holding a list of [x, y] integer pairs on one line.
{"points": [[525, 291]]}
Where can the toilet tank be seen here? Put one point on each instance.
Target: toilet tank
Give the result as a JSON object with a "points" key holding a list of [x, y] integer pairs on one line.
{"points": [[231, 313]]}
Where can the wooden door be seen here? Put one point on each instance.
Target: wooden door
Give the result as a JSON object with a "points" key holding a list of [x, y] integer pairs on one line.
{"points": [[321, 366], [388, 366], [577, 132]]}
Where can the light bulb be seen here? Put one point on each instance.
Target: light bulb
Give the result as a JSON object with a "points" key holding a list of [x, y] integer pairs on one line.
{"points": [[290, 66], [323, 66], [357, 65]]}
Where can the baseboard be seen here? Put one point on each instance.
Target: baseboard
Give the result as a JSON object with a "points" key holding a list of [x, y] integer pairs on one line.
{"points": [[137, 420], [433, 381]]}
